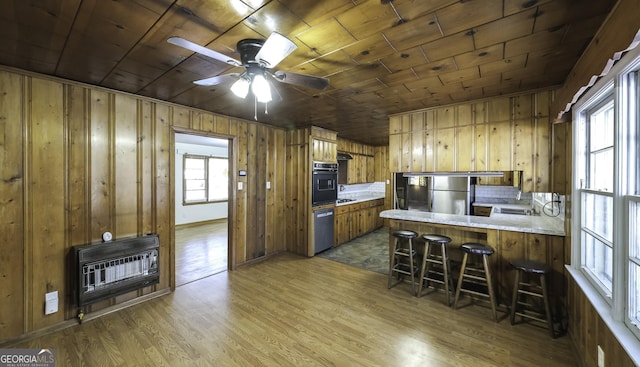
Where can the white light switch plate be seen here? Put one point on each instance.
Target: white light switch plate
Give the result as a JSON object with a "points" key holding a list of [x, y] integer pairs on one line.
{"points": [[240, 185], [268, 185], [51, 303]]}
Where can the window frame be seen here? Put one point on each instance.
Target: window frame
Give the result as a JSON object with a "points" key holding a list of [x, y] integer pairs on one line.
{"points": [[623, 81], [207, 199]]}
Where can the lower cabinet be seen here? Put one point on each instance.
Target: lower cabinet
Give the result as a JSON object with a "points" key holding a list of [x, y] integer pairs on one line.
{"points": [[355, 220]]}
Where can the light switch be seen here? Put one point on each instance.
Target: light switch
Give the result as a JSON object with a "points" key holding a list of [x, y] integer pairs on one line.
{"points": [[240, 185], [268, 185], [51, 303]]}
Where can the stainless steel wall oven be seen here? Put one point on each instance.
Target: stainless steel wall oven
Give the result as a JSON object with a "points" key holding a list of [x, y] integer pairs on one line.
{"points": [[324, 182]]}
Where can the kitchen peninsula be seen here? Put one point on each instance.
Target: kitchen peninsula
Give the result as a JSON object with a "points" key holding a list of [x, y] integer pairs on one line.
{"points": [[539, 238]]}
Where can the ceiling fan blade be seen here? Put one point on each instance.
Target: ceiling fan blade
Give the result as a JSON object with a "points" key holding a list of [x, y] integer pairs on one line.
{"points": [[203, 51], [303, 80], [274, 50], [219, 79], [275, 95]]}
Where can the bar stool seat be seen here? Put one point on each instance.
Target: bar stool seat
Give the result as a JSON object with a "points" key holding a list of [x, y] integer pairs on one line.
{"points": [[471, 277], [521, 288], [439, 273], [402, 261]]}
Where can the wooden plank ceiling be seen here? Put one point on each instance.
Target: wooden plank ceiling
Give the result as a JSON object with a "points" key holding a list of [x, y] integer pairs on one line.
{"points": [[382, 57]]}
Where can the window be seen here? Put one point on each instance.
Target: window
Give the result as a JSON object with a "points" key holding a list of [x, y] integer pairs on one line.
{"points": [[206, 179], [606, 233], [596, 195]]}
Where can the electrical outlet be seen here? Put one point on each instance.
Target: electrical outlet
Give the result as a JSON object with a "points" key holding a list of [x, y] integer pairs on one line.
{"points": [[51, 303], [600, 357]]}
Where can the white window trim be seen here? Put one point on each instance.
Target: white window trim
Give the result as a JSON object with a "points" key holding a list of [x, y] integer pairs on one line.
{"points": [[614, 314]]}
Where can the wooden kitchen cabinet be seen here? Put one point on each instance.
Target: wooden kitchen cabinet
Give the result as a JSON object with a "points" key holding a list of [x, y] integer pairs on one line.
{"points": [[497, 134], [324, 151], [361, 168], [342, 222], [355, 220]]}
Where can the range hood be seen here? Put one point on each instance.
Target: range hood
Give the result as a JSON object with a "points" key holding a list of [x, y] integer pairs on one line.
{"points": [[456, 174], [344, 156]]}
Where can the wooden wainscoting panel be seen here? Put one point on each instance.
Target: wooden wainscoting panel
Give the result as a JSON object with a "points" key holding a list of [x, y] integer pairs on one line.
{"points": [[45, 151], [145, 167], [163, 210], [99, 164], [13, 288], [125, 160]]}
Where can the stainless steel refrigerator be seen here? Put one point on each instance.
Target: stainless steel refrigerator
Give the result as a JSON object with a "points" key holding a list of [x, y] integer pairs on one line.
{"points": [[440, 194]]}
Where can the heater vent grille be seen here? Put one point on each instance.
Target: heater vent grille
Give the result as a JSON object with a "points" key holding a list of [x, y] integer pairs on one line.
{"points": [[109, 269]]}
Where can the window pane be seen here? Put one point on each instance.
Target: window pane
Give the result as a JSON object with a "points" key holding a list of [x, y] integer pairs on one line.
{"points": [[196, 195], [634, 229], [598, 259], [218, 179], [597, 214], [194, 185], [634, 293], [601, 126], [194, 174], [194, 163], [601, 170]]}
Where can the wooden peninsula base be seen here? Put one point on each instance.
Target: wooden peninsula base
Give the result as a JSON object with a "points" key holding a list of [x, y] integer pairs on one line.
{"points": [[508, 245]]}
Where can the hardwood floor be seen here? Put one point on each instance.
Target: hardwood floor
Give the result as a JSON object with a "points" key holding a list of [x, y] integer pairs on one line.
{"points": [[201, 251], [295, 311]]}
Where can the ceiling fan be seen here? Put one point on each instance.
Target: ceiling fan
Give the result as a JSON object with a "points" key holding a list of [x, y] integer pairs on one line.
{"points": [[257, 57]]}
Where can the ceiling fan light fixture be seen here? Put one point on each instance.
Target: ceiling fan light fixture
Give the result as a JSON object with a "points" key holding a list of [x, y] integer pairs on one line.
{"points": [[240, 88], [261, 89]]}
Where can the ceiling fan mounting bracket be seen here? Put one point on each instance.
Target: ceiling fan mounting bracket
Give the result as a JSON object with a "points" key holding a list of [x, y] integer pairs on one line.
{"points": [[248, 49]]}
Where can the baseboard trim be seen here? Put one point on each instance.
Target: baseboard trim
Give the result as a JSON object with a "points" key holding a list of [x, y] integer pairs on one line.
{"points": [[195, 224], [88, 317]]}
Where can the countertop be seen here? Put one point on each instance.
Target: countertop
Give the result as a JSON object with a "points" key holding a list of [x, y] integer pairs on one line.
{"points": [[507, 222], [360, 197]]}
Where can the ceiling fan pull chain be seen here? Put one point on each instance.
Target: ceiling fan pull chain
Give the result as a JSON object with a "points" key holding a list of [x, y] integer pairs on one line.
{"points": [[266, 105], [255, 108]]}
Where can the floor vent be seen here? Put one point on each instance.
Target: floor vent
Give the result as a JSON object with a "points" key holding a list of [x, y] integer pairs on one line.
{"points": [[109, 269]]}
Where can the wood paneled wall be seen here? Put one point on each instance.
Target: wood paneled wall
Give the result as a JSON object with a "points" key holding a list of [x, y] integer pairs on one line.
{"points": [[303, 146], [615, 34], [499, 134], [77, 161], [587, 331]]}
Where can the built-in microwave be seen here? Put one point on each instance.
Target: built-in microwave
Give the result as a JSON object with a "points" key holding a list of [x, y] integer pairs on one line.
{"points": [[324, 182]]}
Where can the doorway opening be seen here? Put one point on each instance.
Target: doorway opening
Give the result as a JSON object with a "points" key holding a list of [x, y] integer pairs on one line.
{"points": [[201, 207]]}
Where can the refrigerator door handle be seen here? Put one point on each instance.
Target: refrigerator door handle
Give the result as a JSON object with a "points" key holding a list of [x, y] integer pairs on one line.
{"points": [[433, 195]]}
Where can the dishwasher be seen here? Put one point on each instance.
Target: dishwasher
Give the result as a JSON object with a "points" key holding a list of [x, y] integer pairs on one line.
{"points": [[323, 229]]}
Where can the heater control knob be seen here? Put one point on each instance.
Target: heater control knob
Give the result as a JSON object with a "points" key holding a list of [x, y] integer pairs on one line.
{"points": [[106, 237]]}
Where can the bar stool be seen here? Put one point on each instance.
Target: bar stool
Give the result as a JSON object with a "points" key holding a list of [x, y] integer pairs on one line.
{"points": [[476, 276], [530, 289], [403, 259], [440, 272]]}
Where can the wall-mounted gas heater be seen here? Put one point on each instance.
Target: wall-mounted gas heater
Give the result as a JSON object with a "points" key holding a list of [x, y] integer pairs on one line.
{"points": [[106, 270]]}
